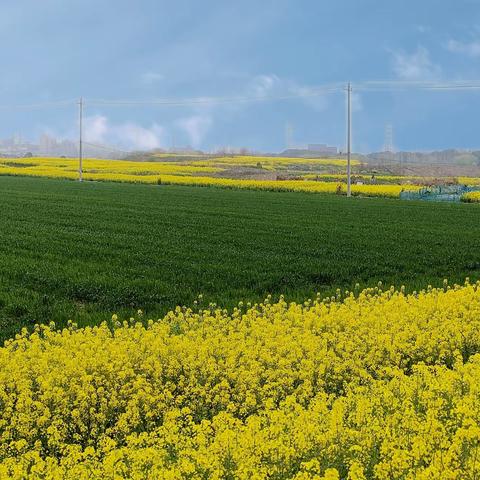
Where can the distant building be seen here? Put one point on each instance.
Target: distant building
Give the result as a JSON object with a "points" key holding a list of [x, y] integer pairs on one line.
{"points": [[15, 146], [49, 146], [322, 148]]}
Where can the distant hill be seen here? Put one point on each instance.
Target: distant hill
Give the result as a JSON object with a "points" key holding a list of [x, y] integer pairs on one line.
{"points": [[451, 157], [304, 153]]}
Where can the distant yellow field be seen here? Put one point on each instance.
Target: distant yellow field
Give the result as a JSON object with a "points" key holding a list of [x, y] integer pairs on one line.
{"points": [[471, 197], [289, 185], [272, 162], [366, 177], [469, 180], [341, 177], [180, 173], [68, 167]]}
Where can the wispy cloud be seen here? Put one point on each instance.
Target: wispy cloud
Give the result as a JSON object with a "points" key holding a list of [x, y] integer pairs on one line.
{"points": [[423, 28], [203, 118], [271, 85], [415, 66], [196, 127], [471, 49], [264, 85], [98, 129], [149, 78]]}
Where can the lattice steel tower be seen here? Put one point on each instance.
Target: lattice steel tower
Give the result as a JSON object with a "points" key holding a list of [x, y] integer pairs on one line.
{"points": [[388, 145]]}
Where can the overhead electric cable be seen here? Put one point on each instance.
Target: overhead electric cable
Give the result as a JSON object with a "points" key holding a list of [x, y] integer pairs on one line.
{"points": [[371, 85]]}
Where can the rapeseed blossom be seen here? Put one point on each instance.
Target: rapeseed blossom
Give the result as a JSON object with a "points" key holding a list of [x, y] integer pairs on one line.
{"points": [[471, 197], [378, 384], [276, 163], [194, 173]]}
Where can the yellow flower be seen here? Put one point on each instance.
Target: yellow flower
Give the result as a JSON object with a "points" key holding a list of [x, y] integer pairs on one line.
{"points": [[377, 384]]}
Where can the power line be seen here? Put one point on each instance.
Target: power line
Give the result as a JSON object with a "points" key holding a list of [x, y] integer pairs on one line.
{"points": [[60, 103], [213, 100], [371, 85], [392, 85], [105, 147]]}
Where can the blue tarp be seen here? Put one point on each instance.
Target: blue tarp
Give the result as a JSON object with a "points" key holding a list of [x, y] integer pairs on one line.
{"points": [[440, 193]]}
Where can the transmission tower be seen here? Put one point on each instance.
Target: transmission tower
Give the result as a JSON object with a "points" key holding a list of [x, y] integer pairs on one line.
{"points": [[388, 145]]}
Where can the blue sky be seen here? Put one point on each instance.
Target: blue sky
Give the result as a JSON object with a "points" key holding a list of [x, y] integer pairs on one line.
{"points": [[146, 49]]}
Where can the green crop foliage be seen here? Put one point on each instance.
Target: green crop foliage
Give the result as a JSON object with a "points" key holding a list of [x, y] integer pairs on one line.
{"points": [[83, 251]]}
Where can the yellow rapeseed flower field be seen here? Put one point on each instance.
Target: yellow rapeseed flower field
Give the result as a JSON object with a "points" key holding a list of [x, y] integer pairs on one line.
{"points": [[181, 173], [424, 180], [474, 181], [68, 167], [367, 177], [379, 384], [273, 162], [471, 197], [288, 185]]}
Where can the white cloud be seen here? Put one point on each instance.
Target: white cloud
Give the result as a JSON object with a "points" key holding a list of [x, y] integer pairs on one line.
{"points": [[196, 127], [197, 124], [415, 66], [263, 85], [270, 85], [471, 49], [310, 97], [95, 129], [149, 78], [98, 129], [139, 137]]}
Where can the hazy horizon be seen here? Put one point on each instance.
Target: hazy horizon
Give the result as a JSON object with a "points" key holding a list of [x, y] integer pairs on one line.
{"points": [[154, 49]]}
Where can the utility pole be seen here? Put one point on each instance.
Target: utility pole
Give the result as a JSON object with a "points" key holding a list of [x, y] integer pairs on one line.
{"points": [[349, 138], [80, 140]]}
